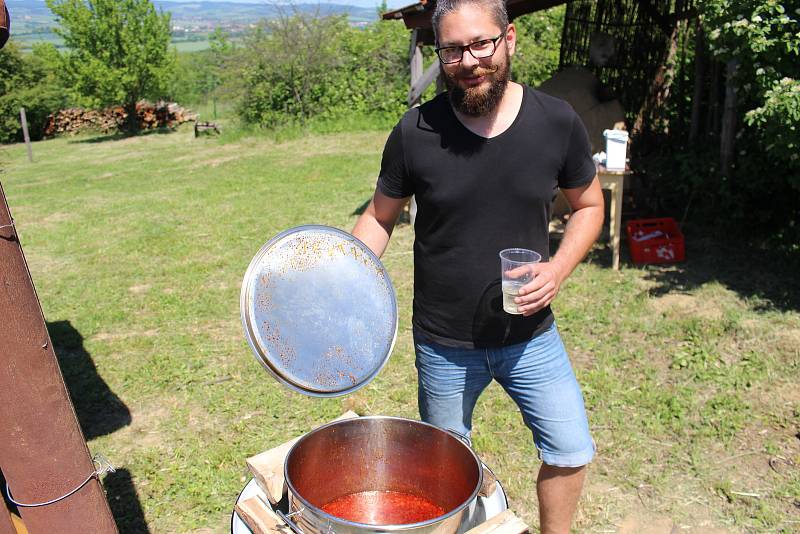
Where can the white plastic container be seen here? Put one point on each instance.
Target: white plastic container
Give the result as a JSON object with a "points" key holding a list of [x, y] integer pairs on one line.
{"points": [[616, 149]]}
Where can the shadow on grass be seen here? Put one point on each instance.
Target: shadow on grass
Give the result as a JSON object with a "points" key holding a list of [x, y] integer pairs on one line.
{"points": [[124, 502], [100, 411], [769, 278], [362, 208], [118, 136]]}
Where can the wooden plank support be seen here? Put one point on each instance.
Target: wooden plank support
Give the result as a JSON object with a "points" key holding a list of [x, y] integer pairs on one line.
{"points": [[418, 87], [414, 63], [43, 454], [260, 518], [267, 467], [506, 522]]}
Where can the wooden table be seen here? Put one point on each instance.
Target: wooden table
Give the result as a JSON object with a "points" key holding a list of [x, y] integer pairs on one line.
{"points": [[614, 181]]}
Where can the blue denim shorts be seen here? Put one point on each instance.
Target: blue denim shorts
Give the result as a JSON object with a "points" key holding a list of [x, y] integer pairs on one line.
{"points": [[536, 374]]}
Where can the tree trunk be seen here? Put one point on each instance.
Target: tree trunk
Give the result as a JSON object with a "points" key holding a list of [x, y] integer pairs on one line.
{"points": [[699, 81], [132, 118], [712, 118], [728, 136], [659, 89]]}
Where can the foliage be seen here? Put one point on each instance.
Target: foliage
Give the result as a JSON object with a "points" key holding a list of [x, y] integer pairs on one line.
{"points": [[758, 197], [27, 81], [538, 45], [764, 36], [118, 50], [300, 66]]}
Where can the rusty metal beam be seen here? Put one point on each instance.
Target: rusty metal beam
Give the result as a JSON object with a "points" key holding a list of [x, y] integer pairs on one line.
{"points": [[43, 454]]}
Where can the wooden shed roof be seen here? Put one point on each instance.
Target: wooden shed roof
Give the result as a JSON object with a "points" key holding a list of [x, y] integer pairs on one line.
{"points": [[418, 16]]}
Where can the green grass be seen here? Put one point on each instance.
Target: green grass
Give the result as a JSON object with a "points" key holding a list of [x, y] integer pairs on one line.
{"points": [[137, 248]]}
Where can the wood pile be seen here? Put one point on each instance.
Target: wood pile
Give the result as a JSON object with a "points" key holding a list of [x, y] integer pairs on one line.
{"points": [[150, 116]]}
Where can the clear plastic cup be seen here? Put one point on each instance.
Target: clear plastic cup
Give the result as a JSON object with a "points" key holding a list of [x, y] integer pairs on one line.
{"points": [[516, 270]]}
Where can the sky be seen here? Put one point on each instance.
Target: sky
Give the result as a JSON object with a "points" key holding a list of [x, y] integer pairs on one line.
{"points": [[360, 3]]}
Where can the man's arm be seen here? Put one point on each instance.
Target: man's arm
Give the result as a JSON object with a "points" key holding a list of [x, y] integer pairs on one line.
{"points": [[582, 230], [376, 224]]}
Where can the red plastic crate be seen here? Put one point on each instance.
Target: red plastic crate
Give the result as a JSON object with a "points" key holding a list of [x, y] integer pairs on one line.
{"points": [[655, 241]]}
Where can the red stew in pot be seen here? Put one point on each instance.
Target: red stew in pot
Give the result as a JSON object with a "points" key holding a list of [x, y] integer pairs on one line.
{"points": [[383, 508]]}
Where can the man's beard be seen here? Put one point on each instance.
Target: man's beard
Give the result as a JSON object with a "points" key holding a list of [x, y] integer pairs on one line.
{"points": [[475, 101]]}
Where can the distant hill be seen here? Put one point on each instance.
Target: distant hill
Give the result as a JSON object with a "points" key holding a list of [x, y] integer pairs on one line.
{"points": [[32, 21], [250, 13]]}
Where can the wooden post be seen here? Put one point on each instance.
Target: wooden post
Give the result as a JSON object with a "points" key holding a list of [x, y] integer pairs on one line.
{"points": [[727, 140], [415, 64], [24, 120], [43, 454]]}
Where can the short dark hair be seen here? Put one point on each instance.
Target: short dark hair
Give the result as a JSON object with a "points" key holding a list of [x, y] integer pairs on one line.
{"points": [[494, 8]]}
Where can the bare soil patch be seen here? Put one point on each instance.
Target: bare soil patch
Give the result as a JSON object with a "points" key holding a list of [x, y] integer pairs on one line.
{"points": [[683, 304]]}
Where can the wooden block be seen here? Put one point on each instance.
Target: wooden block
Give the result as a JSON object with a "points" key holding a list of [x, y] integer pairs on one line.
{"points": [[489, 484], [259, 517], [505, 522], [267, 467]]}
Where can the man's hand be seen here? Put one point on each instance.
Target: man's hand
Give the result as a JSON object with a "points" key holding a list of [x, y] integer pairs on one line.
{"points": [[582, 229], [540, 291]]}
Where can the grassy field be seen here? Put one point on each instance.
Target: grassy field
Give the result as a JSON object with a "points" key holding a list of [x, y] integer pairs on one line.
{"points": [[137, 247]]}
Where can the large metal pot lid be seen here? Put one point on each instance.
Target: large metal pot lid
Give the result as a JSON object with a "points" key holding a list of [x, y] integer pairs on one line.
{"points": [[319, 311]]}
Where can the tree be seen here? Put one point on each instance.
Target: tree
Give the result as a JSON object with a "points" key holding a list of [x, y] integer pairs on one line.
{"points": [[301, 66], [118, 50], [538, 45]]}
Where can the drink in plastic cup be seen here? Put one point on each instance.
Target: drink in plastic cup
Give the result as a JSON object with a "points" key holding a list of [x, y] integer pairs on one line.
{"points": [[516, 270]]}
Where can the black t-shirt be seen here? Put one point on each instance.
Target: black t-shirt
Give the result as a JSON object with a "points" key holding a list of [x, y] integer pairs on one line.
{"points": [[476, 196]]}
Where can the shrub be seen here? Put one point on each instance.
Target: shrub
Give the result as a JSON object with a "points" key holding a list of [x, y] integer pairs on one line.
{"points": [[27, 81], [302, 66]]}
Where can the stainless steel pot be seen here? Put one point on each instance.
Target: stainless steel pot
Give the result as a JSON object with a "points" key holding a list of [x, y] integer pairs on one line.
{"points": [[380, 454]]}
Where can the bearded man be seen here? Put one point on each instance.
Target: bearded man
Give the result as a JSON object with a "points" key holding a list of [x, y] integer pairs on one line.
{"points": [[484, 161]]}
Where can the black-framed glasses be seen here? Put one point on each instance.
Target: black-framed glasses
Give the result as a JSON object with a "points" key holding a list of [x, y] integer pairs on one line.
{"points": [[479, 50]]}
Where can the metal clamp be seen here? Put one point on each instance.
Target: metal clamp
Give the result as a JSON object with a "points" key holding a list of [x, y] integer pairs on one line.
{"points": [[287, 519], [102, 466]]}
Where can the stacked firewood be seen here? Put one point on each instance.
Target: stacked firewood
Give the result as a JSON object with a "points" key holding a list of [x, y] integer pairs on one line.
{"points": [[74, 120]]}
